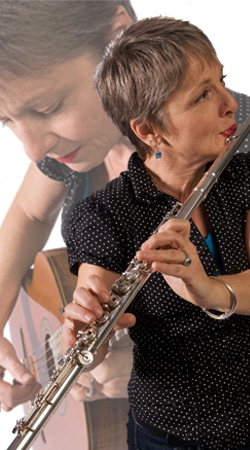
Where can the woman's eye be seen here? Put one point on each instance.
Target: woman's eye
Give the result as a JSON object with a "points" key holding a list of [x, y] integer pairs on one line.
{"points": [[203, 96], [222, 79], [55, 110], [49, 113], [46, 113], [4, 122]]}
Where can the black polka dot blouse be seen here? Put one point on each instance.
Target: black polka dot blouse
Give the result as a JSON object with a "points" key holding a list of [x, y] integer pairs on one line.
{"points": [[191, 374]]}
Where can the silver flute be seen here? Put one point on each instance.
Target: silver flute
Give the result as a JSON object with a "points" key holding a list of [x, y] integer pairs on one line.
{"points": [[82, 354]]}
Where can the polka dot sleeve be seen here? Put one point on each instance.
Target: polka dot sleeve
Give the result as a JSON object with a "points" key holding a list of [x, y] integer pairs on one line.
{"points": [[93, 237]]}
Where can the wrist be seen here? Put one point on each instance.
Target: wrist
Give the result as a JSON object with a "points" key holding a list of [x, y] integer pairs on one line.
{"points": [[225, 300]]}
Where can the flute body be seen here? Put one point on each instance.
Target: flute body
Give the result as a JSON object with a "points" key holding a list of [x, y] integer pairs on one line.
{"points": [[82, 354]]}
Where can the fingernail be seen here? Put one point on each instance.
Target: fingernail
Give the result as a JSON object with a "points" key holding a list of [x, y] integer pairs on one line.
{"points": [[105, 297], [89, 316], [145, 245], [98, 311]]}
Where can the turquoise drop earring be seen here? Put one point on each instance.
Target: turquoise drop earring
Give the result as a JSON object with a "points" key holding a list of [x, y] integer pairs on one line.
{"points": [[158, 154]]}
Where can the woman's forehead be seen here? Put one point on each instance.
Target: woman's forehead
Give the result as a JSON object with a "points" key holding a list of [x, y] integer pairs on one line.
{"points": [[21, 93], [199, 68], [53, 82]]}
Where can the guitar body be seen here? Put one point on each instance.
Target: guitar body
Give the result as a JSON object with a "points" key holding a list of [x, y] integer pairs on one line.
{"points": [[96, 425]]}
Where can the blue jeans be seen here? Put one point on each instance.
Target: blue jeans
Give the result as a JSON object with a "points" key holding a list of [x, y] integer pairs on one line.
{"points": [[141, 439]]}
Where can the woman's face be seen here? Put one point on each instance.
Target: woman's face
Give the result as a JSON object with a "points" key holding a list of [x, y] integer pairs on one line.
{"points": [[200, 114], [58, 114]]}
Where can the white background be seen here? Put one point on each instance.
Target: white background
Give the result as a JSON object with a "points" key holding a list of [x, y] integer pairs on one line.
{"points": [[226, 22]]}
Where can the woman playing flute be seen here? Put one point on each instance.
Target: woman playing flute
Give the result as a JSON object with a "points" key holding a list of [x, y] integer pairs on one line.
{"points": [[162, 84]]}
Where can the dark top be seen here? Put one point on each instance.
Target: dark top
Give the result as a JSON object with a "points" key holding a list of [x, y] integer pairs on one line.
{"points": [[190, 374], [77, 183]]}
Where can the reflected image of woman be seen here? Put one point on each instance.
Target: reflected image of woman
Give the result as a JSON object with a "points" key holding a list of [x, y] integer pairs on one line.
{"points": [[48, 54]]}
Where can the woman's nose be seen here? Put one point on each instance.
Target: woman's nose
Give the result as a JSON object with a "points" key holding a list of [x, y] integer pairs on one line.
{"points": [[228, 103], [37, 140]]}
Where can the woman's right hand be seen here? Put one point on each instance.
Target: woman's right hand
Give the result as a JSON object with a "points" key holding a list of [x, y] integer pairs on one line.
{"points": [[91, 292], [24, 386]]}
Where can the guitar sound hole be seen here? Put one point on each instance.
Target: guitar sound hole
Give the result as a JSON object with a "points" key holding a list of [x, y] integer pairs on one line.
{"points": [[49, 356]]}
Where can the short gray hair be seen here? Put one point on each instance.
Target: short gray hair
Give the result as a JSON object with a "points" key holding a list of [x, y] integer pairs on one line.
{"points": [[143, 67]]}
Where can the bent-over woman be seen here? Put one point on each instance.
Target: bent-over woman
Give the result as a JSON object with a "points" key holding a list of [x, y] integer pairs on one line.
{"points": [[48, 53]]}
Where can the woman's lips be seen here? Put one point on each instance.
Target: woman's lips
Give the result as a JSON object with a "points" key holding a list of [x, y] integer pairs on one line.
{"points": [[70, 157], [230, 131]]}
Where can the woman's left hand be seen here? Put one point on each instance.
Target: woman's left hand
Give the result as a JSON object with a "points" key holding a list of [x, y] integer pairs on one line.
{"points": [[167, 251]]}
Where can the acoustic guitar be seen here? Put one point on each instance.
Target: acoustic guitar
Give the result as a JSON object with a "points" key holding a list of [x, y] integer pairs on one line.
{"points": [[35, 333]]}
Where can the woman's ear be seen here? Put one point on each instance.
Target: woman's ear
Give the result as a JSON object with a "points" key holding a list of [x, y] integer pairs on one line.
{"points": [[145, 132], [120, 22]]}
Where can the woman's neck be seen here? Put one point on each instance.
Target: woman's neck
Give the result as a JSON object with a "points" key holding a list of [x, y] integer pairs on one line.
{"points": [[115, 162], [117, 158], [177, 180]]}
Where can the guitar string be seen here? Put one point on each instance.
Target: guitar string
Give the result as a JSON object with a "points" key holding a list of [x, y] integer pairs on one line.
{"points": [[55, 337], [36, 367], [35, 363], [36, 357], [45, 365], [44, 371], [47, 369]]}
